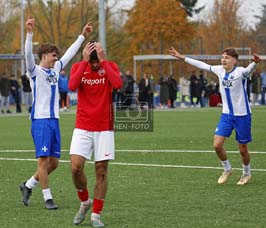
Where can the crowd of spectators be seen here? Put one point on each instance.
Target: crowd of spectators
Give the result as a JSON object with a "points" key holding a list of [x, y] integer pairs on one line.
{"points": [[193, 90], [164, 92]]}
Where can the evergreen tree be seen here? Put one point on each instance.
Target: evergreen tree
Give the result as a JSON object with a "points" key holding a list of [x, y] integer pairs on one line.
{"points": [[189, 6]]}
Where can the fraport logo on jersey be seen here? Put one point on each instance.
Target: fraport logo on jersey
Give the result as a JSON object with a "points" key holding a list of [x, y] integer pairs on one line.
{"points": [[92, 82]]}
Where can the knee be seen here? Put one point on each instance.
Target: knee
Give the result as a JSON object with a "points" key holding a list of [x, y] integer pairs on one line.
{"points": [[217, 146], [76, 170], [101, 173], [77, 165], [243, 148], [55, 165]]}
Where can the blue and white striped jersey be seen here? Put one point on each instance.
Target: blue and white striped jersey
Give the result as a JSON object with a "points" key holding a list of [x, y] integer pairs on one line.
{"points": [[44, 82], [232, 85]]}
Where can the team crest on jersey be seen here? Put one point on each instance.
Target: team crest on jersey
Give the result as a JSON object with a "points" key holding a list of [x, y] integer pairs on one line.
{"points": [[51, 79], [227, 83], [101, 72]]}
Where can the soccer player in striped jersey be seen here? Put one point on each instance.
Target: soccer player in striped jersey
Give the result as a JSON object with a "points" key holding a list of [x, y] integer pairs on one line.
{"points": [[236, 112], [45, 109], [95, 78]]}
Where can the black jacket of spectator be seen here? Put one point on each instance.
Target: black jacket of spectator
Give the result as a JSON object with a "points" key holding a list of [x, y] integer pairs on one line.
{"points": [[4, 86], [25, 84]]}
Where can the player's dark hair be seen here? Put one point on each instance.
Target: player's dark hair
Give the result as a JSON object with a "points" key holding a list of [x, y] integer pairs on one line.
{"points": [[232, 52], [93, 55], [47, 48]]}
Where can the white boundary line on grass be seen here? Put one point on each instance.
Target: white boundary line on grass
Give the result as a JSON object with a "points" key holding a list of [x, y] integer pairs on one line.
{"points": [[188, 151], [139, 164], [147, 151]]}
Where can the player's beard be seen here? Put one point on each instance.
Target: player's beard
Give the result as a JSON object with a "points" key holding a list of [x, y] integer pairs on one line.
{"points": [[95, 67]]}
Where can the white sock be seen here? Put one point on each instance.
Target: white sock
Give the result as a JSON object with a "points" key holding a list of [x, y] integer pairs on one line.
{"points": [[87, 202], [31, 183], [47, 194], [226, 164], [246, 169], [95, 216]]}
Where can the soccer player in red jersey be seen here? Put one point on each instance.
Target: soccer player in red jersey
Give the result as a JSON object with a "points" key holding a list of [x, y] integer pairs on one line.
{"points": [[94, 77]]}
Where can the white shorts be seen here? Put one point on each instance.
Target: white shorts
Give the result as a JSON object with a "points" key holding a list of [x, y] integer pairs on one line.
{"points": [[102, 143]]}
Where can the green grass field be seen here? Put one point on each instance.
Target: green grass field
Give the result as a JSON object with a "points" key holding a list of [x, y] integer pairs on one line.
{"points": [[165, 178]]}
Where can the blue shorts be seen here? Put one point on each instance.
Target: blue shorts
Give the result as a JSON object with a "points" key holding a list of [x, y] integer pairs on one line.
{"points": [[46, 137], [241, 125]]}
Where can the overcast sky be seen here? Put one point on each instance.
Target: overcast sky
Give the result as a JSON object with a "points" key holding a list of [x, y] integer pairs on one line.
{"points": [[249, 9]]}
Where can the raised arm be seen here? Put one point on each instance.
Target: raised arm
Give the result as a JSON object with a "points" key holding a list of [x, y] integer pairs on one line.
{"points": [[176, 54], [73, 49], [112, 70], [78, 69], [255, 61], [196, 63], [30, 62], [113, 74]]}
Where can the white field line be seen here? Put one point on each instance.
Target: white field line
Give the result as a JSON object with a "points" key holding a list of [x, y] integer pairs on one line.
{"points": [[139, 164], [147, 151]]}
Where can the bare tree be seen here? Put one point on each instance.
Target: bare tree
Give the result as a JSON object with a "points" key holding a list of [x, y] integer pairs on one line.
{"points": [[61, 20]]}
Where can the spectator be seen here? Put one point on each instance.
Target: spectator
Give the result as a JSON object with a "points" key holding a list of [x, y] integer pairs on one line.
{"points": [[4, 90], [27, 96], [14, 89], [204, 92], [120, 93], [256, 86], [63, 89], [152, 91], [184, 88], [144, 91], [263, 87], [215, 99], [194, 89], [128, 84], [164, 92], [172, 91]]}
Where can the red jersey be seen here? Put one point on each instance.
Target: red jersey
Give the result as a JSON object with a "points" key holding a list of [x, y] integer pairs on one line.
{"points": [[95, 101]]}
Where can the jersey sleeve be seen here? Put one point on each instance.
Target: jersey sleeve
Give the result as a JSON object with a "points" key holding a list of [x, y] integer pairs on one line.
{"points": [[249, 69], [216, 69], [76, 74], [69, 54], [113, 74], [198, 64], [204, 66], [30, 62]]}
